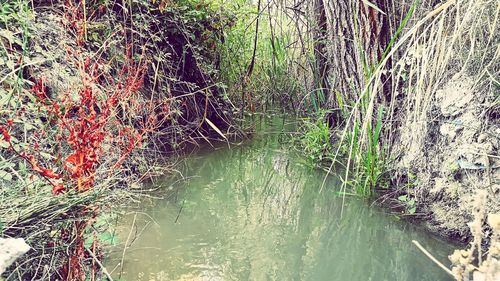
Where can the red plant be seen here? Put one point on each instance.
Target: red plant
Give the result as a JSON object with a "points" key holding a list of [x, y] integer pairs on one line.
{"points": [[5, 134], [85, 123], [74, 19], [89, 121]]}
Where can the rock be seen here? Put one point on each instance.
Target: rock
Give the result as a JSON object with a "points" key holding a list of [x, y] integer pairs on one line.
{"points": [[10, 250], [455, 95]]}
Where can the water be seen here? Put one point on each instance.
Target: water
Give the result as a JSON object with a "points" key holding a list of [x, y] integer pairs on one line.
{"points": [[254, 212]]}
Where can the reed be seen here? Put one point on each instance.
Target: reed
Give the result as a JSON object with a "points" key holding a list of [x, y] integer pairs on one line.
{"points": [[429, 46]]}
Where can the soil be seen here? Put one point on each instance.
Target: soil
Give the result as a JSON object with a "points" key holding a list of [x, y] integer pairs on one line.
{"points": [[457, 158]]}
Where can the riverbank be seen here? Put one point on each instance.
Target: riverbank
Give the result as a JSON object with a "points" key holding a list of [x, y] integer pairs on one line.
{"points": [[444, 132], [452, 157], [412, 103], [94, 95], [93, 98]]}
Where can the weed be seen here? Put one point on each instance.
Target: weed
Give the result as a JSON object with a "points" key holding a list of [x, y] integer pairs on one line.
{"points": [[316, 141], [409, 204]]}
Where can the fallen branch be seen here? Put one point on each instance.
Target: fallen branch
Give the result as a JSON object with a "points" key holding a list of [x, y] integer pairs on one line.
{"points": [[432, 257], [100, 265]]}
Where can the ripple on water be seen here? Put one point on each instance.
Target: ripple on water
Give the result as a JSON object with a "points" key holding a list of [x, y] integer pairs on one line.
{"points": [[255, 213]]}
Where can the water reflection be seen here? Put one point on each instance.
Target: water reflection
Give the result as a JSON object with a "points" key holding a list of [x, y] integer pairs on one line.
{"points": [[255, 213]]}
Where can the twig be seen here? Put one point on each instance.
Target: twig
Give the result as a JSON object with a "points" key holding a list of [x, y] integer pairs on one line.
{"points": [[19, 68], [431, 257], [100, 264], [84, 6], [180, 210], [125, 246]]}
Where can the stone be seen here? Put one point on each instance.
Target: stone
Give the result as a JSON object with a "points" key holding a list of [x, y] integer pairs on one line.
{"points": [[10, 250]]}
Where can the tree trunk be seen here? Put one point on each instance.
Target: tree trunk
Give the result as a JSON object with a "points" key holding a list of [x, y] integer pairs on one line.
{"points": [[321, 65], [358, 35]]}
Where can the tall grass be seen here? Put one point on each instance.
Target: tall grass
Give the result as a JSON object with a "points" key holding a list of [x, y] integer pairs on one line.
{"points": [[422, 62], [273, 81]]}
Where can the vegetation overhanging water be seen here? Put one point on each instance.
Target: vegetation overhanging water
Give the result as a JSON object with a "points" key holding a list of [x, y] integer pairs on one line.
{"points": [[93, 93], [255, 212]]}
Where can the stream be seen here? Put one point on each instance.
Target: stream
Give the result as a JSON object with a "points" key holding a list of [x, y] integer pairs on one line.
{"points": [[255, 212]]}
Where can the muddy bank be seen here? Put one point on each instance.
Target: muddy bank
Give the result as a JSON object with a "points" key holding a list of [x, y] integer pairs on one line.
{"points": [[456, 157], [91, 101]]}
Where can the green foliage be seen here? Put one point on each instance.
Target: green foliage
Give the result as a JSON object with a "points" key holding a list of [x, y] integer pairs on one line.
{"points": [[238, 41], [271, 80], [371, 164], [316, 141], [409, 203], [365, 160], [13, 12]]}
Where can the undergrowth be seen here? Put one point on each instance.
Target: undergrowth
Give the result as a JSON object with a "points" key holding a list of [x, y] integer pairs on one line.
{"points": [[315, 141], [257, 64], [87, 110]]}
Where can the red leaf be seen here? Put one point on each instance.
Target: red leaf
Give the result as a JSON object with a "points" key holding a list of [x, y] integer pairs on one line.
{"points": [[58, 189], [5, 133], [73, 158], [50, 174]]}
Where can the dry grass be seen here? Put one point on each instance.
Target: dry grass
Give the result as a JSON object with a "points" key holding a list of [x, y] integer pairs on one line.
{"points": [[454, 38], [446, 45]]}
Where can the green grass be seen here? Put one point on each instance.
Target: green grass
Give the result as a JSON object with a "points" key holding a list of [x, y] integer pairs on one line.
{"points": [[315, 141], [371, 166]]}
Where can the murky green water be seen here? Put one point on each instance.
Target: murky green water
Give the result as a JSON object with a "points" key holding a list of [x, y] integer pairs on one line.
{"points": [[254, 212]]}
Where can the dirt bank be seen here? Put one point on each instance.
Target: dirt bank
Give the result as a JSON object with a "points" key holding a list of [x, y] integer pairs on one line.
{"points": [[90, 101], [456, 157]]}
